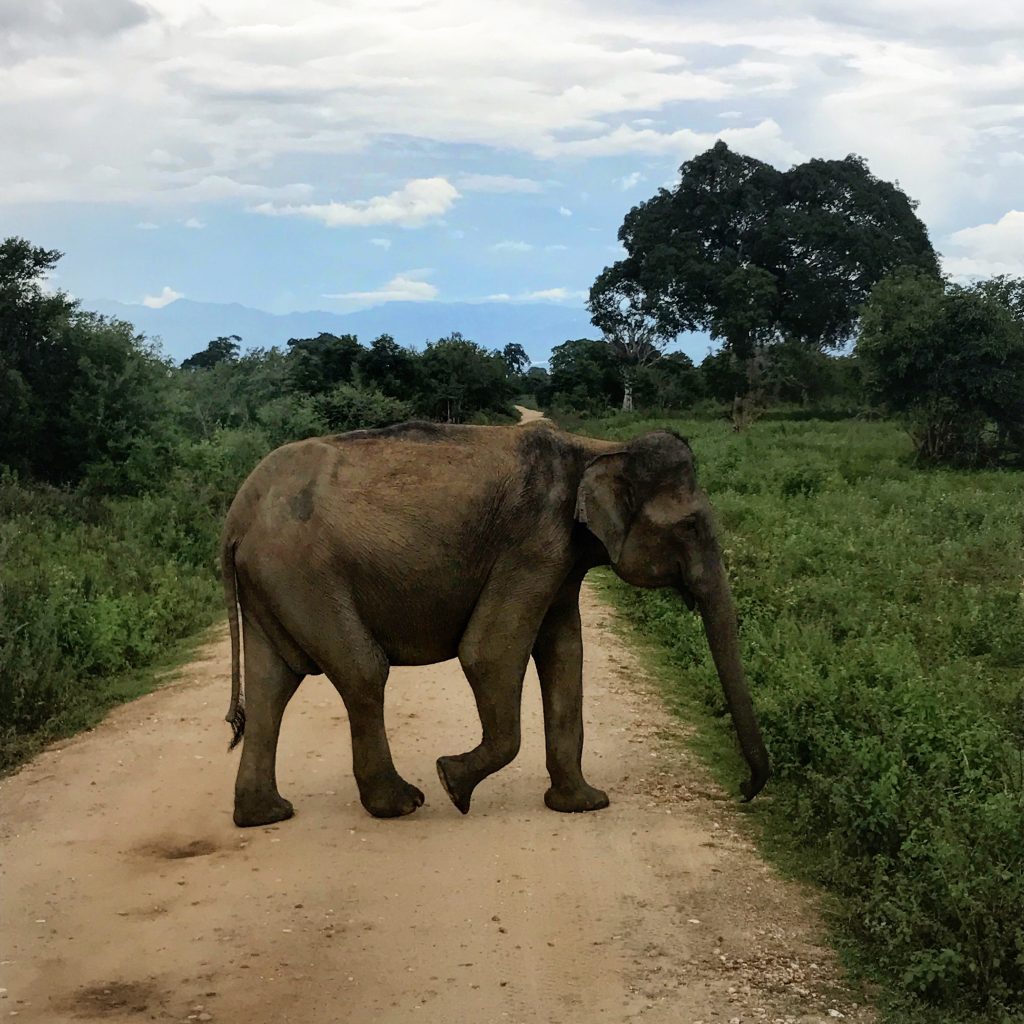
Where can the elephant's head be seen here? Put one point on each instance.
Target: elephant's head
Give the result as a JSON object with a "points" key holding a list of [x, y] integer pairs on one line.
{"points": [[643, 503]]}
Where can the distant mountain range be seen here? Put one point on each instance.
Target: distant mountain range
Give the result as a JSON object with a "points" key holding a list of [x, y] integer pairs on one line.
{"points": [[185, 326]]}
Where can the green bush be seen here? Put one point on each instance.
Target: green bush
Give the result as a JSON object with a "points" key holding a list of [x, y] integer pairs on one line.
{"points": [[882, 621], [347, 407]]}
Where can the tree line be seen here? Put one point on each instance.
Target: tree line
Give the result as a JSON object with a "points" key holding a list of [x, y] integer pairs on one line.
{"points": [[818, 286]]}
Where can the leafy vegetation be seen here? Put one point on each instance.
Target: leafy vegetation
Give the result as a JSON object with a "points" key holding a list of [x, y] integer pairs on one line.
{"points": [[882, 623], [950, 360]]}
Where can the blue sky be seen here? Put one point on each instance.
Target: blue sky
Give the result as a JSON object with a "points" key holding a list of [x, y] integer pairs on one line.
{"points": [[315, 155]]}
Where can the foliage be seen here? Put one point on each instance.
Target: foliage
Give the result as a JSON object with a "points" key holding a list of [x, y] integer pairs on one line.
{"points": [[388, 367], [883, 635], [316, 365], [584, 376], [220, 350], [751, 254], [460, 377], [671, 383], [347, 407], [516, 359], [619, 309], [950, 360], [78, 393]]}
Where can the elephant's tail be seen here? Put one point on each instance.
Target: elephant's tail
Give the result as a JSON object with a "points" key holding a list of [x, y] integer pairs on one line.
{"points": [[236, 710]]}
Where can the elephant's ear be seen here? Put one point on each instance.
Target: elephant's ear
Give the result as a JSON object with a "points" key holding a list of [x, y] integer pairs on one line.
{"points": [[604, 501]]}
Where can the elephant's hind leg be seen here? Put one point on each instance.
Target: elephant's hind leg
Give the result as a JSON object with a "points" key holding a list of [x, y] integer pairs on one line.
{"points": [[359, 671], [269, 685]]}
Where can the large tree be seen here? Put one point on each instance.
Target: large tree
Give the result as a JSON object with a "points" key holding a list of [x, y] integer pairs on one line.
{"points": [[753, 255], [620, 310]]}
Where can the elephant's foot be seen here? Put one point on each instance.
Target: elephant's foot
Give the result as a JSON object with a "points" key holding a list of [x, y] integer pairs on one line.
{"points": [[456, 780], [570, 799], [392, 798], [261, 809]]}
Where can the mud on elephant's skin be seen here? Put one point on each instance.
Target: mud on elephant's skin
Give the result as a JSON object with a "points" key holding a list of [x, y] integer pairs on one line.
{"points": [[419, 543]]}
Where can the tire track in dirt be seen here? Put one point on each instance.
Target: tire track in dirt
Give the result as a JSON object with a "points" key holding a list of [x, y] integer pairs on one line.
{"points": [[127, 893]]}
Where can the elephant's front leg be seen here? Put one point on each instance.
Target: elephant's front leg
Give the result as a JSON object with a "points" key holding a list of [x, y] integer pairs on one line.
{"points": [[494, 652], [558, 653]]}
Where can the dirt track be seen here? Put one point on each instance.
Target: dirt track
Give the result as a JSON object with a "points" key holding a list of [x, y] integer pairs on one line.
{"points": [[127, 893]]}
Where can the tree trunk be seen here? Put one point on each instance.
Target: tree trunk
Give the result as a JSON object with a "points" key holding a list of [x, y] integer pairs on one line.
{"points": [[627, 392]]}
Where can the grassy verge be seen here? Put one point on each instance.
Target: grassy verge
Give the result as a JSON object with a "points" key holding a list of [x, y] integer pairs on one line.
{"points": [[97, 595], [882, 620]]}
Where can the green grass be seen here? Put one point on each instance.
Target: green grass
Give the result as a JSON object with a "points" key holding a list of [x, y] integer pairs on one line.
{"points": [[882, 623], [97, 594]]}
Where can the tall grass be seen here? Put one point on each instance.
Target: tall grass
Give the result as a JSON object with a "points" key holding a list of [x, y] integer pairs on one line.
{"points": [[94, 589], [882, 624]]}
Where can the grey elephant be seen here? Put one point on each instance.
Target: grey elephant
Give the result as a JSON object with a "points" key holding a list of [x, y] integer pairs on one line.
{"points": [[413, 544]]}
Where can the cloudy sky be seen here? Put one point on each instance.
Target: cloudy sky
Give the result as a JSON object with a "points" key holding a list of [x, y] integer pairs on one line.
{"points": [[331, 155]]}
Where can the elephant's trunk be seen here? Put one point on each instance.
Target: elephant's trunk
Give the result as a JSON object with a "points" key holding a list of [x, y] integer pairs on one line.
{"points": [[719, 615]]}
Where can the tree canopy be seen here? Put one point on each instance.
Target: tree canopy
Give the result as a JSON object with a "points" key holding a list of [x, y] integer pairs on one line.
{"points": [[752, 254]]}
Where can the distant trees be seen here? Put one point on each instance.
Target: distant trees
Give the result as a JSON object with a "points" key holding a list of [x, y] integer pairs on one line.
{"points": [[316, 365], [755, 256], [583, 376], [220, 350], [460, 378], [949, 359]]}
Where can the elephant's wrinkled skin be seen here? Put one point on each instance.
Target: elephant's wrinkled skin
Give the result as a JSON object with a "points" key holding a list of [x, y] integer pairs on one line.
{"points": [[418, 543]]}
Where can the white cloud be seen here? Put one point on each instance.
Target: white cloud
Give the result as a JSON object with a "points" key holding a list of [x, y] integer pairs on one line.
{"points": [[413, 205], [564, 211], [631, 181], [557, 247], [511, 246], [232, 102], [553, 295], [497, 183], [381, 243], [543, 295], [147, 225], [763, 140], [988, 249], [404, 287], [165, 298], [195, 224]]}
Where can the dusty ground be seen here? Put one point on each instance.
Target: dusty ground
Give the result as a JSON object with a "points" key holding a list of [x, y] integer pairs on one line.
{"points": [[128, 895]]}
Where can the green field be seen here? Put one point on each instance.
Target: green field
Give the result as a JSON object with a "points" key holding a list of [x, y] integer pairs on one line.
{"points": [[882, 623]]}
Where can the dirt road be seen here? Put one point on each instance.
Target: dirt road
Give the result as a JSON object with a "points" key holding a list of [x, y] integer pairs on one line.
{"points": [[129, 895]]}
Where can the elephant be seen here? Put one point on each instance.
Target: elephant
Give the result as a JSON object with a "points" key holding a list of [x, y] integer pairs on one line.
{"points": [[421, 542]]}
